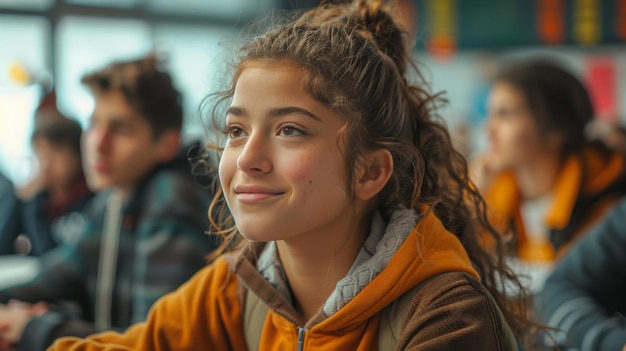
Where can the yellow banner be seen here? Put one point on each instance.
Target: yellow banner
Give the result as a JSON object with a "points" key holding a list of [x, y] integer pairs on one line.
{"points": [[587, 24], [442, 15]]}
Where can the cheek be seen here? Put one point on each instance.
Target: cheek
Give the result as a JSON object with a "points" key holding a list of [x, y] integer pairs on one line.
{"points": [[227, 166], [315, 171], [88, 145], [301, 169], [526, 139]]}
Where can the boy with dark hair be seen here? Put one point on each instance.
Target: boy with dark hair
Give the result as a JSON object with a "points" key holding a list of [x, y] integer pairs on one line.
{"points": [[145, 230], [56, 194]]}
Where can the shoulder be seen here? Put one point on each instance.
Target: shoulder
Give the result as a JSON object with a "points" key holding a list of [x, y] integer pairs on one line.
{"points": [[173, 192], [456, 288], [456, 301], [213, 289], [502, 195], [168, 181], [602, 169]]}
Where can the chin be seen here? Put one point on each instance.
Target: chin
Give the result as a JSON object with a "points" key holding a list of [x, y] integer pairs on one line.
{"points": [[97, 184], [255, 237], [255, 233]]}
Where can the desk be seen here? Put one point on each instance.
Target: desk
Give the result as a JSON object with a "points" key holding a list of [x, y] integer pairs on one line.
{"points": [[17, 269]]}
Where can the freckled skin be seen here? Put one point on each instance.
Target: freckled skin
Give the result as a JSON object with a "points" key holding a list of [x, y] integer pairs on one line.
{"points": [[259, 152]]}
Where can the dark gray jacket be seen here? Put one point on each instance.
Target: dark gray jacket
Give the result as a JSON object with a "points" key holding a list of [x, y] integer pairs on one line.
{"points": [[586, 294]]}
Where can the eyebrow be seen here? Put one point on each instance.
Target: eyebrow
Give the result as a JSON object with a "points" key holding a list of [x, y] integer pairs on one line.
{"points": [[115, 120], [275, 112]]}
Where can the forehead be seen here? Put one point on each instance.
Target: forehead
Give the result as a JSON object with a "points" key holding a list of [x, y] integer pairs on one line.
{"points": [[506, 92], [282, 75], [112, 106]]}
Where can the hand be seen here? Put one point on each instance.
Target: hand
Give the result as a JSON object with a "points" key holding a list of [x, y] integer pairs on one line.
{"points": [[13, 320], [483, 170], [32, 188]]}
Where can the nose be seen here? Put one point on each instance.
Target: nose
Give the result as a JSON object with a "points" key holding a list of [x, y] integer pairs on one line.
{"points": [[491, 124], [255, 155], [100, 139]]}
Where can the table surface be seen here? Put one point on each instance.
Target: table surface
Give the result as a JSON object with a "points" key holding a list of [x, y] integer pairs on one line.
{"points": [[17, 269]]}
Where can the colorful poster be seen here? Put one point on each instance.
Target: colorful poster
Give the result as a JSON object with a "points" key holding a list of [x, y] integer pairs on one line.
{"points": [[586, 21], [442, 20], [600, 78], [551, 21]]}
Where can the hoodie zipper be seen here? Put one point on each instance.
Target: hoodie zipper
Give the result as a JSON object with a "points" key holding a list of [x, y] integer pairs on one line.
{"points": [[300, 339]]}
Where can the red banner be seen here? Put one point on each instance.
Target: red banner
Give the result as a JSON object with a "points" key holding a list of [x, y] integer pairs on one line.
{"points": [[601, 73]]}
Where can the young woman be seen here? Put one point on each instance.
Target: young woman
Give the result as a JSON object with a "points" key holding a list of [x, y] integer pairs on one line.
{"points": [[543, 180], [349, 195]]}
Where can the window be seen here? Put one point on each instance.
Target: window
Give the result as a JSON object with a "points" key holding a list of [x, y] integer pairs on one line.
{"points": [[21, 68], [195, 59], [86, 44]]}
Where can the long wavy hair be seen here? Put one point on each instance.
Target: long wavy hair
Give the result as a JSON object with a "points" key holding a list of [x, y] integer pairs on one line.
{"points": [[357, 62]]}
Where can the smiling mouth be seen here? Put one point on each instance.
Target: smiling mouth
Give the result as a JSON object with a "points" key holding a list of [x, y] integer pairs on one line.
{"points": [[253, 197]]}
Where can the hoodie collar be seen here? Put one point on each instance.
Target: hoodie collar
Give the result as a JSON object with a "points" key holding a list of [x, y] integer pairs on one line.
{"points": [[403, 259]]}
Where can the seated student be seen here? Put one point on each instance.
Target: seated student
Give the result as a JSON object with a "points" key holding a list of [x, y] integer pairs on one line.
{"points": [[9, 214], [349, 195], [542, 179], [585, 297], [144, 232], [51, 201]]}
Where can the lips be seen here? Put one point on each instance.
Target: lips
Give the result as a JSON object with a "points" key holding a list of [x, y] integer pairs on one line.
{"points": [[253, 193], [101, 167]]}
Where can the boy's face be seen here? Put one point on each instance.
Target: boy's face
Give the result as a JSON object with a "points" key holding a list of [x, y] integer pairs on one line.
{"points": [[118, 146], [59, 165]]}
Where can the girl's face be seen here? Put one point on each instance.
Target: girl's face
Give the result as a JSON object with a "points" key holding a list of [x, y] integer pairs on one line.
{"points": [[282, 170], [514, 136]]}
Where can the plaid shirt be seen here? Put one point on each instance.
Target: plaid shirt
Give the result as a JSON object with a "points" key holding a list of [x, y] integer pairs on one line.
{"points": [[162, 242]]}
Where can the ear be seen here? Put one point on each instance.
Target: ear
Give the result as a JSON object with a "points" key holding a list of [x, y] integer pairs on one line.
{"points": [[375, 170], [168, 145]]}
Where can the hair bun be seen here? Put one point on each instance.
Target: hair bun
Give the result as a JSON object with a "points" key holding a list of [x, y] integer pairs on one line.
{"points": [[375, 17]]}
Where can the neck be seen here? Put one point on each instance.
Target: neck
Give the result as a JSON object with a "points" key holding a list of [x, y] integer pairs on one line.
{"points": [[537, 178], [59, 194], [315, 262], [123, 193]]}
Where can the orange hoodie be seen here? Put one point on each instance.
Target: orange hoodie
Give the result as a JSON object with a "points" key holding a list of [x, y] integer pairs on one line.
{"points": [[206, 313], [591, 179]]}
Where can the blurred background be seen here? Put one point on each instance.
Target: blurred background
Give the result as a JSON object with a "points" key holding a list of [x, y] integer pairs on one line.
{"points": [[48, 45]]}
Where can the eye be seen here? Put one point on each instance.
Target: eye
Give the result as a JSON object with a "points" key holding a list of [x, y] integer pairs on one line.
{"points": [[234, 132], [122, 130], [290, 131]]}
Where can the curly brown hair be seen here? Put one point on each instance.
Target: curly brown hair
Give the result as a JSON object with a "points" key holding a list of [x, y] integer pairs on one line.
{"points": [[357, 63]]}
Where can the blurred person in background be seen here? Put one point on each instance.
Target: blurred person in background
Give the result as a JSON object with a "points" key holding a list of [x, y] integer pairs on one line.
{"points": [[51, 202], [543, 181], [585, 296], [145, 230], [8, 209]]}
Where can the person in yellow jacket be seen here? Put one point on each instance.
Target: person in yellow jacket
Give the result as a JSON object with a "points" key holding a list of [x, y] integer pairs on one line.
{"points": [[345, 193], [543, 181]]}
